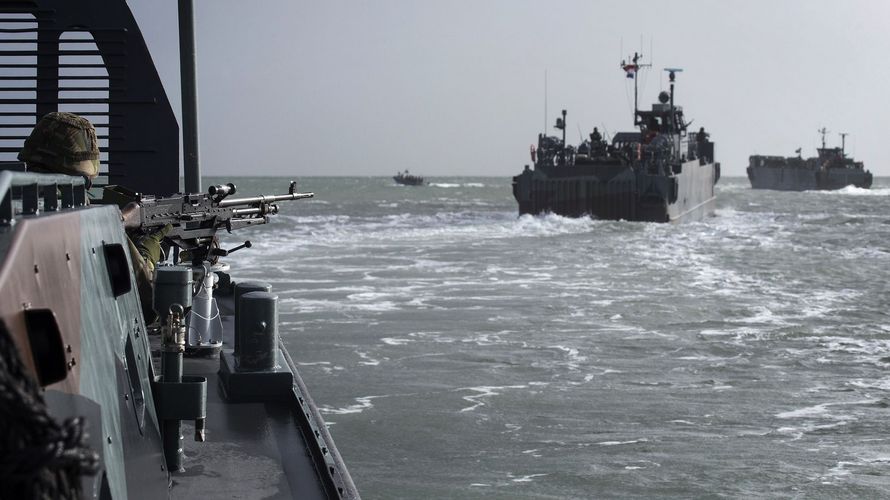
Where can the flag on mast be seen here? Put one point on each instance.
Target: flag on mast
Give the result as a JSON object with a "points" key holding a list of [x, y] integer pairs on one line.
{"points": [[630, 68]]}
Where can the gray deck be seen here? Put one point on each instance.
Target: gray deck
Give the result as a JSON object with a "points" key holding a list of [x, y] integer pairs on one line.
{"points": [[256, 450]]}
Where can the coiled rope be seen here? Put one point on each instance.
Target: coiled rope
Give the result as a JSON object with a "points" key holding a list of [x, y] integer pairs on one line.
{"points": [[39, 457]]}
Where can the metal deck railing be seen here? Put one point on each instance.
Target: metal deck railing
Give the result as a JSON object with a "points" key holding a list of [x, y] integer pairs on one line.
{"points": [[23, 193]]}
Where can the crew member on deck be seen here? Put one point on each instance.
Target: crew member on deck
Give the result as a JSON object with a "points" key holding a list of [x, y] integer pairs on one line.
{"points": [[65, 143]]}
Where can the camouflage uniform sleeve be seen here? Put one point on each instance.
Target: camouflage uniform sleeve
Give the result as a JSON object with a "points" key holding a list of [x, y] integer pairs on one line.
{"points": [[143, 269]]}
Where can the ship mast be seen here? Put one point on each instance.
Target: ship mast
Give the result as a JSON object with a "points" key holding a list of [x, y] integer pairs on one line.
{"points": [[843, 143], [187, 55], [545, 101], [672, 76], [823, 131], [631, 69]]}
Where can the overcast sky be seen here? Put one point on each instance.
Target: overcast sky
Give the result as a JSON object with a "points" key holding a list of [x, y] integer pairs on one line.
{"points": [[457, 87]]}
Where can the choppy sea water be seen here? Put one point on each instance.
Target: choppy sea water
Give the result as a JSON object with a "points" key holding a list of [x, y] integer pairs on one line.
{"points": [[460, 351]]}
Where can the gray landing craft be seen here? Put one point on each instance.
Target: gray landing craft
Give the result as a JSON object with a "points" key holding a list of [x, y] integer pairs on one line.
{"points": [[660, 173], [406, 179], [94, 396], [831, 169]]}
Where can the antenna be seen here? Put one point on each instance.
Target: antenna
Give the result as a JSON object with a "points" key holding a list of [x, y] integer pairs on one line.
{"points": [[561, 124], [631, 69], [823, 131], [651, 57], [545, 101]]}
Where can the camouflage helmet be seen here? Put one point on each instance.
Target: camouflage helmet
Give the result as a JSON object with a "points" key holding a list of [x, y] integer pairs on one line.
{"points": [[63, 143]]}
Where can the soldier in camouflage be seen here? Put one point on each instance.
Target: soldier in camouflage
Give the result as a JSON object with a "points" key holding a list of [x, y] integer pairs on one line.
{"points": [[62, 143], [65, 143]]}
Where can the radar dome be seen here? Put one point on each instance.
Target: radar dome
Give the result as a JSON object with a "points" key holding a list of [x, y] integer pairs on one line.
{"points": [[664, 97]]}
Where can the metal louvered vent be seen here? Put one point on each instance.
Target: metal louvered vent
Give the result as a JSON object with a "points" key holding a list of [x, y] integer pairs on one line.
{"points": [[18, 81], [84, 89], [88, 57]]}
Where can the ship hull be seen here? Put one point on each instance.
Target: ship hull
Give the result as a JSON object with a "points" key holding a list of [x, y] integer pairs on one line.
{"points": [[807, 179], [408, 181], [615, 192]]}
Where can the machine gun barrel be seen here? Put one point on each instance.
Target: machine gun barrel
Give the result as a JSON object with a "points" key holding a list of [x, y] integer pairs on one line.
{"points": [[292, 194], [232, 202]]}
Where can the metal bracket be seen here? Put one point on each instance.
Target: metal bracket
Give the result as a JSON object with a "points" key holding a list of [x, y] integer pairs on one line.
{"points": [[186, 400]]}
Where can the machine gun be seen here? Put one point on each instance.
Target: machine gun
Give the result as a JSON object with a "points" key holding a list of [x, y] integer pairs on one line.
{"points": [[196, 218]]}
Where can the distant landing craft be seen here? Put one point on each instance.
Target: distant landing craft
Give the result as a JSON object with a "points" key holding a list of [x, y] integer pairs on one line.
{"points": [[406, 179], [830, 170]]}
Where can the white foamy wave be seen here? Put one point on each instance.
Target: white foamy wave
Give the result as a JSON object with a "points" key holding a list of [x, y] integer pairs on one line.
{"points": [[366, 359], [393, 341], [311, 306], [525, 479], [855, 191], [573, 357], [684, 422], [316, 219], [642, 464], [408, 228], [761, 315], [552, 225], [850, 345], [486, 391], [618, 443], [731, 188], [808, 412], [820, 417], [882, 384], [485, 339], [361, 405], [456, 185], [799, 431]]}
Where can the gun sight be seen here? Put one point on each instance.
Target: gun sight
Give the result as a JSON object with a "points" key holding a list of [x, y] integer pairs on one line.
{"points": [[220, 191]]}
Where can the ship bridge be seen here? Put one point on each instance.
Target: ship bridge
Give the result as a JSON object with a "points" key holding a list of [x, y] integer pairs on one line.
{"points": [[663, 119]]}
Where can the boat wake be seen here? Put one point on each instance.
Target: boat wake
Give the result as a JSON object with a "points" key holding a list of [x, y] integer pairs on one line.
{"points": [[456, 185], [855, 191]]}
